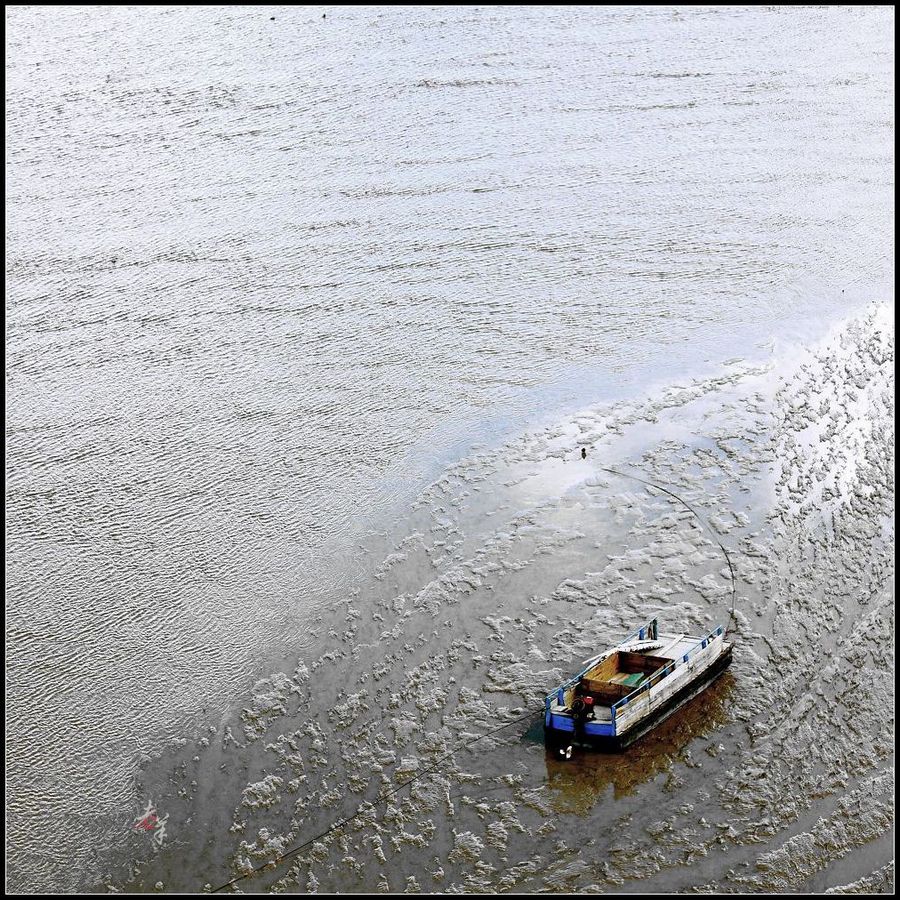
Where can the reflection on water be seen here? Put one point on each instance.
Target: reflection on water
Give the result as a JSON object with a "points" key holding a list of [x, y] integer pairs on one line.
{"points": [[577, 784]]}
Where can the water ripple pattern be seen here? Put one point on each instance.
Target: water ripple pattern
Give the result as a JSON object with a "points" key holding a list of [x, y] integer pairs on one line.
{"points": [[271, 270]]}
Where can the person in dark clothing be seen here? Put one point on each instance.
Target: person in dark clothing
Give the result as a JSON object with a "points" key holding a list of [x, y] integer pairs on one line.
{"points": [[583, 453]]}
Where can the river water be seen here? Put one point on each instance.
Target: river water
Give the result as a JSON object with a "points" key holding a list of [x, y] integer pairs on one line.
{"points": [[308, 311]]}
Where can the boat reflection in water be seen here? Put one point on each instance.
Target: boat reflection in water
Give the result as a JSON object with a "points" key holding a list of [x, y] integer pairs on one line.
{"points": [[577, 783]]}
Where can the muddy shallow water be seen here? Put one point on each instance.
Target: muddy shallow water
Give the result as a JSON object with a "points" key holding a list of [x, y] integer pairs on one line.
{"points": [[307, 318], [518, 563]]}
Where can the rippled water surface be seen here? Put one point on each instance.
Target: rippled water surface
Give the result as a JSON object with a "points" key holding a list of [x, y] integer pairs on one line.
{"points": [[307, 312]]}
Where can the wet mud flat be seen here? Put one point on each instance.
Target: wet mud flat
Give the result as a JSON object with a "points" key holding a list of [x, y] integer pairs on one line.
{"points": [[511, 568]]}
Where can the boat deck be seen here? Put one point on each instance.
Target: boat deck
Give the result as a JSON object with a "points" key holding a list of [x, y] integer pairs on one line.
{"points": [[674, 646]]}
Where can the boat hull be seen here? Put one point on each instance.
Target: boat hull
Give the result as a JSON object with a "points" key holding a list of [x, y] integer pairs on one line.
{"points": [[598, 740]]}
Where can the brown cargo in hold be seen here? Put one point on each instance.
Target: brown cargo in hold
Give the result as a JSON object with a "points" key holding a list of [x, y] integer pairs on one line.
{"points": [[597, 683]]}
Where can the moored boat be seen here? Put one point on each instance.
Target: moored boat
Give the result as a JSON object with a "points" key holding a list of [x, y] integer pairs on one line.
{"points": [[626, 690]]}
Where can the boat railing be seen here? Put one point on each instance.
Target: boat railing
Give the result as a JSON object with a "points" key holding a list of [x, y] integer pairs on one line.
{"points": [[667, 670], [647, 629], [638, 632]]}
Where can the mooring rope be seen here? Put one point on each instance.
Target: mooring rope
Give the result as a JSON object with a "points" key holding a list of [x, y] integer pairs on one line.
{"points": [[366, 805], [697, 515]]}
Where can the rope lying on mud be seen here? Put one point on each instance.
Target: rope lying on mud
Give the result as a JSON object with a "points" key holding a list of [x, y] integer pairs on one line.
{"points": [[697, 515], [462, 745], [379, 799]]}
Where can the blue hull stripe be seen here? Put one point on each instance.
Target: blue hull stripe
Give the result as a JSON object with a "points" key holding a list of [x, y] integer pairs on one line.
{"points": [[564, 723]]}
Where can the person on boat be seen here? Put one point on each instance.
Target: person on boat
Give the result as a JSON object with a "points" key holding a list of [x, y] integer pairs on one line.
{"points": [[582, 711]]}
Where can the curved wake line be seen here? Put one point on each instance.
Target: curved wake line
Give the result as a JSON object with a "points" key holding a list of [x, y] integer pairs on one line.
{"points": [[697, 515]]}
